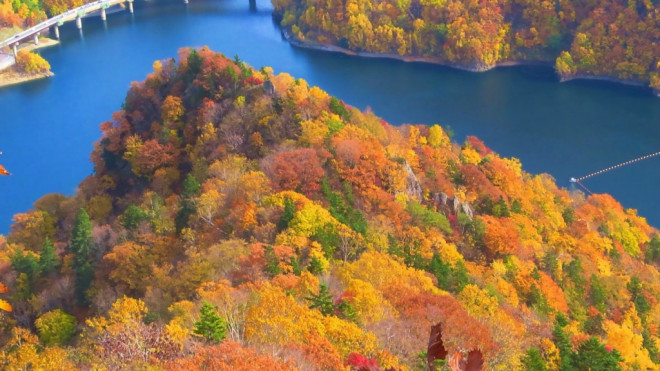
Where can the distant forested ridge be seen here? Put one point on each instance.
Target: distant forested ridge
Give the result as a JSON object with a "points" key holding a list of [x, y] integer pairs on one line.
{"points": [[239, 219], [610, 39]]}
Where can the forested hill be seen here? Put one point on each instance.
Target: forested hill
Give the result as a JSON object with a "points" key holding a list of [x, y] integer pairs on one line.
{"points": [[613, 39], [238, 219]]}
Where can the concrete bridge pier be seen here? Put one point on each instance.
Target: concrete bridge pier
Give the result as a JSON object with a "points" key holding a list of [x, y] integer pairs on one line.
{"points": [[79, 22], [15, 50], [36, 38], [186, 1], [56, 30], [130, 6], [103, 16]]}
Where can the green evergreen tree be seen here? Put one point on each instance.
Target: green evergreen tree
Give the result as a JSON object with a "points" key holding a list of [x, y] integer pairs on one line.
{"points": [[532, 361], [194, 64], [25, 262], [48, 259], [650, 345], [652, 253], [295, 265], [516, 207], [537, 300], [272, 262], [594, 325], [441, 270], [315, 266], [328, 238], [186, 204], [322, 301], [210, 326], [460, 277], [132, 216], [342, 208], [338, 107], [81, 246], [501, 209], [346, 310], [635, 287], [592, 355], [287, 214], [598, 293], [563, 343], [568, 214]]}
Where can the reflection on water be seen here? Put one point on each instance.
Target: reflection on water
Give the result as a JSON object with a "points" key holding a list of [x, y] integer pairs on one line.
{"points": [[566, 129]]}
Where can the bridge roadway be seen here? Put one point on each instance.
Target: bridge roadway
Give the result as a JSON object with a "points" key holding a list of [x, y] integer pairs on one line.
{"points": [[74, 14]]}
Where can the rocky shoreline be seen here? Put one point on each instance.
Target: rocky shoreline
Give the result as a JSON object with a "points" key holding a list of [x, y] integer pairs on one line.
{"points": [[295, 42], [617, 80], [405, 58]]}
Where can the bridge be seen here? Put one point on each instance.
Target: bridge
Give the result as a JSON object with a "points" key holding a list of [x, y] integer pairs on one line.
{"points": [[76, 14]]}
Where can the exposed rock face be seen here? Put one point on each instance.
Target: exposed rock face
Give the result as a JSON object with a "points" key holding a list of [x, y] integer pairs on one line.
{"points": [[467, 210], [413, 188], [444, 198], [457, 205]]}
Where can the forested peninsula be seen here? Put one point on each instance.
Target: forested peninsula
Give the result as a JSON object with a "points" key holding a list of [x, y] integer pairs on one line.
{"points": [[612, 40], [239, 219]]}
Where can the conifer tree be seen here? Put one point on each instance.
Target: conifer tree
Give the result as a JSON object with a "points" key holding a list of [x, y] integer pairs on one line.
{"points": [[81, 246], [592, 355], [532, 361], [48, 260], [563, 343], [322, 301], [187, 205], [210, 325]]}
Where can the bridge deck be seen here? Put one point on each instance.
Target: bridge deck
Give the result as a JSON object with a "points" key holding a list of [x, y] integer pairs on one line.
{"points": [[67, 16]]}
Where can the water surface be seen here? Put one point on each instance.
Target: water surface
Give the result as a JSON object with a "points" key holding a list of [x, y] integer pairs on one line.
{"points": [[47, 128]]}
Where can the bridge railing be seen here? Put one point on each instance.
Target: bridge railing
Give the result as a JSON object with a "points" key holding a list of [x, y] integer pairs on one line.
{"points": [[68, 15]]}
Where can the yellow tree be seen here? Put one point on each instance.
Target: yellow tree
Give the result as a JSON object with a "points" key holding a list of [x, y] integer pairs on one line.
{"points": [[172, 110], [4, 305], [23, 352], [32, 63]]}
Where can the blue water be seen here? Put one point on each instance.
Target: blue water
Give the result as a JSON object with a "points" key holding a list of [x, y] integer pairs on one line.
{"points": [[48, 127]]}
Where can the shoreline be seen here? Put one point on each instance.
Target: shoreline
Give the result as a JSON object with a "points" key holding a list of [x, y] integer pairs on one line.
{"points": [[612, 79], [44, 42], [414, 59], [8, 78], [430, 60]]}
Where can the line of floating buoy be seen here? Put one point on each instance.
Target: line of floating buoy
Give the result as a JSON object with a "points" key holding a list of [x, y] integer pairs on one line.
{"points": [[577, 180]]}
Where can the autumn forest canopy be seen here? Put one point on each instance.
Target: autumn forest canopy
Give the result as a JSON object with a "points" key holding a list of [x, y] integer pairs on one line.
{"points": [[608, 38], [239, 219]]}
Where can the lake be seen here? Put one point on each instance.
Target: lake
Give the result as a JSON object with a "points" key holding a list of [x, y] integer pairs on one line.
{"points": [[568, 130]]}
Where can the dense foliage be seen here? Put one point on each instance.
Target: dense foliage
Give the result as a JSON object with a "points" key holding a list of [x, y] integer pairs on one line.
{"points": [[611, 38], [238, 219], [31, 63]]}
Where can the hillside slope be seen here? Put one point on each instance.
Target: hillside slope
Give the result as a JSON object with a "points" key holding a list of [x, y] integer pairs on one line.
{"points": [[238, 219]]}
